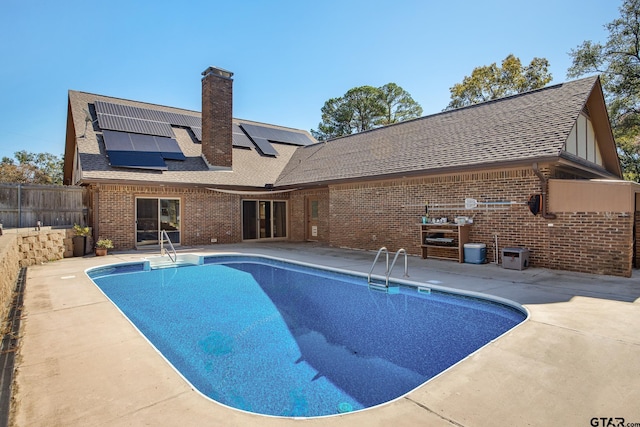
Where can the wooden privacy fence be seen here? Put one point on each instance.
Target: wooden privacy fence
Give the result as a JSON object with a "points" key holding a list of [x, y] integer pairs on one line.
{"points": [[23, 205]]}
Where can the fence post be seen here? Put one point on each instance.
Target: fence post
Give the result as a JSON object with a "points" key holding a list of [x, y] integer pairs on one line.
{"points": [[19, 205]]}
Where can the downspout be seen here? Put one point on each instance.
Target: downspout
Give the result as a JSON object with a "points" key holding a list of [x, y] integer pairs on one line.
{"points": [[544, 185]]}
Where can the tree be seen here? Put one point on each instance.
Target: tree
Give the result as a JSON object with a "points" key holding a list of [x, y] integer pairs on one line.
{"points": [[492, 82], [398, 105], [364, 103], [363, 108], [32, 168], [618, 63], [336, 120]]}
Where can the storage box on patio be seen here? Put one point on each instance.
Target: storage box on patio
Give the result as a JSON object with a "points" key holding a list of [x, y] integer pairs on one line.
{"points": [[515, 258], [475, 253]]}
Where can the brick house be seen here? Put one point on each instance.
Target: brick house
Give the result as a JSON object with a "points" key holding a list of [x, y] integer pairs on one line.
{"points": [[537, 170]]}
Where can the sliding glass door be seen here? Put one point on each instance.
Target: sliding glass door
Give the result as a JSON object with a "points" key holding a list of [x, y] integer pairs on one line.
{"points": [[264, 219], [154, 215]]}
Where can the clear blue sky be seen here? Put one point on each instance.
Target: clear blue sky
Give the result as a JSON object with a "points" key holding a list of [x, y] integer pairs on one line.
{"points": [[288, 57]]}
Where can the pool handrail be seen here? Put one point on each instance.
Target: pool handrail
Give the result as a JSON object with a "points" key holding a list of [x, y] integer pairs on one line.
{"points": [[395, 258], [386, 272], [163, 235]]}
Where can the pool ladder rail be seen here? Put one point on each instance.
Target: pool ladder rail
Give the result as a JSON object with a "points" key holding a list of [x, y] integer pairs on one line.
{"points": [[388, 270], [163, 236], [172, 259]]}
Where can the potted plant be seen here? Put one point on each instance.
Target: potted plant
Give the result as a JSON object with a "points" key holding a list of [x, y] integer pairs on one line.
{"points": [[102, 245], [80, 239]]}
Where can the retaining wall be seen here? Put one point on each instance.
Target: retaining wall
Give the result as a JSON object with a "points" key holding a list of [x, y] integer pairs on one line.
{"points": [[24, 248], [9, 268]]}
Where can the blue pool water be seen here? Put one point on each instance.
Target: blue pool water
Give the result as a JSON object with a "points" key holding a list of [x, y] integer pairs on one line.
{"points": [[281, 339]]}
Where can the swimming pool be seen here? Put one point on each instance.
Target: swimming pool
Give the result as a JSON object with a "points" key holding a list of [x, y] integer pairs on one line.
{"points": [[283, 339]]}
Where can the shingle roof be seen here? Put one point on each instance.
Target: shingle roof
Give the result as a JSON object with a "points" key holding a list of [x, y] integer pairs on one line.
{"points": [[522, 127], [250, 169]]}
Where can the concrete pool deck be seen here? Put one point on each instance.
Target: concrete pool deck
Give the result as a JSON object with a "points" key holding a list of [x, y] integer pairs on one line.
{"points": [[80, 362]]}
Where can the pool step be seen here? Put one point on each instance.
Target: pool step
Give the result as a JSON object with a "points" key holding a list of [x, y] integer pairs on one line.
{"points": [[381, 287], [182, 260]]}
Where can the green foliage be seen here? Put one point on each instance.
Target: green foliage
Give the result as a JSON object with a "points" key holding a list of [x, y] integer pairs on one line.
{"points": [[626, 132], [629, 155], [79, 230], [104, 244], [363, 108], [493, 82], [32, 168], [618, 63], [398, 105]]}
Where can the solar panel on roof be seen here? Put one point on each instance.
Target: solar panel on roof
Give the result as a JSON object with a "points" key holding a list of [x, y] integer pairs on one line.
{"points": [[240, 139], [136, 160], [155, 115], [129, 111], [277, 135], [119, 141], [123, 142], [167, 145], [175, 119], [169, 148], [112, 109], [183, 120], [197, 132], [131, 125], [265, 147], [144, 143], [136, 137], [192, 121], [122, 110], [146, 121]]}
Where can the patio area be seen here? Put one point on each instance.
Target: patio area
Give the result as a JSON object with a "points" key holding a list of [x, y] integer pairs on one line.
{"points": [[577, 357]]}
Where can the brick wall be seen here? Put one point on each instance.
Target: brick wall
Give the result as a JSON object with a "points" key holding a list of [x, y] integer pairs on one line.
{"points": [[298, 219], [204, 214], [387, 213], [114, 206], [592, 242], [207, 215]]}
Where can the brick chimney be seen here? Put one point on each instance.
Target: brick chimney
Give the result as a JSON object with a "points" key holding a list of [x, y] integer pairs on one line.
{"points": [[217, 100]]}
